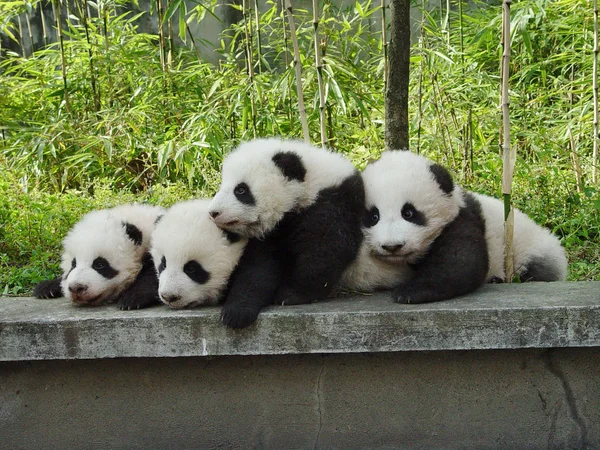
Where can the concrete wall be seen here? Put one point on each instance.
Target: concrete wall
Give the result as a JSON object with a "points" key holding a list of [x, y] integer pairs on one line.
{"points": [[501, 399]]}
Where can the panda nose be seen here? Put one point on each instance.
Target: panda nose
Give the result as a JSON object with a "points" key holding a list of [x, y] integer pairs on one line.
{"points": [[392, 248], [214, 214], [171, 298], [77, 288]]}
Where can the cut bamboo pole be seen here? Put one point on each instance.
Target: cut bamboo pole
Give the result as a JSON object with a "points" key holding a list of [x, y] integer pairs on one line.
{"points": [[298, 67], [250, 60], [56, 7], [319, 66], [258, 37], [384, 43], [44, 29], [83, 14], [595, 89], [29, 33], [286, 52], [508, 152]]}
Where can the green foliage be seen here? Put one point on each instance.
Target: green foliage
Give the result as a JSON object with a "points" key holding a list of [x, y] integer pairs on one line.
{"points": [[135, 130]]}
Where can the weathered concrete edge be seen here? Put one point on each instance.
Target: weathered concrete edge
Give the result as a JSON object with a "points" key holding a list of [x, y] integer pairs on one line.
{"points": [[522, 319]]}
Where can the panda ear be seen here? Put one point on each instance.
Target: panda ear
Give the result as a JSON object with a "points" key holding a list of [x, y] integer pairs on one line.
{"points": [[442, 177], [133, 232], [231, 237], [290, 165]]}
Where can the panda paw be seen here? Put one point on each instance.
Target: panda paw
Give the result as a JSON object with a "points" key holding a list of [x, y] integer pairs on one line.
{"points": [[236, 316], [289, 296], [405, 296], [48, 289], [136, 300]]}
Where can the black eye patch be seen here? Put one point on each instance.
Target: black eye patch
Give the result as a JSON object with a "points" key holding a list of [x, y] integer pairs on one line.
{"points": [[371, 217], [162, 266], [103, 267], [412, 215], [73, 263], [243, 194], [196, 272]]}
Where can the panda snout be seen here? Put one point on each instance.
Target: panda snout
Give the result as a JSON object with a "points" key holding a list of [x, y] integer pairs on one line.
{"points": [[214, 214], [171, 298], [77, 288], [392, 248]]}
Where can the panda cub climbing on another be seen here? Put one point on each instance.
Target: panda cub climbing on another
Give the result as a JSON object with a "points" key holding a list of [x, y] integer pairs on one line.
{"points": [[442, 240], [301, 207], [105, 258], [194, 259]]}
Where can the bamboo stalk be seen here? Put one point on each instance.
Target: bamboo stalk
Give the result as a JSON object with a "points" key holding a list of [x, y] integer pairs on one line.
{"points": [[161, 35], [297, 65], [287, 63], [595, 89], [56, 7], [508, 153], [107, 50], [421, 69], [447, 21], [319, 66], [44, 29], [171, 39], [384, 42], [258, 37], [249, 60], [83, 12], [21, 37], [30, 34], [572, 143]]}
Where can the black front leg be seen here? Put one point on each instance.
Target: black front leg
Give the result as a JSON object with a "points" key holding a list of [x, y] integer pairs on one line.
{"points": [[144, 290], [48, 289], [253, 284]]}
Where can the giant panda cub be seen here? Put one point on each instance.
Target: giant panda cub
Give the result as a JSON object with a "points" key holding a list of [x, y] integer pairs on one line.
{"points": [[445, 241], [194, 259], [105, 258], [301, 208]]}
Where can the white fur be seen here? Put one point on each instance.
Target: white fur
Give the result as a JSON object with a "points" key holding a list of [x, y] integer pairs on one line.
{"points": [[400, 177], [186, 233], [529, 240], [101, 233], [251, 163]]}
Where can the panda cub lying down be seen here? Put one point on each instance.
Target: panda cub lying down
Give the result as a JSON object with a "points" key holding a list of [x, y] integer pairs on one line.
{"points": [[194, 259], [430, 240], [105, 259]]}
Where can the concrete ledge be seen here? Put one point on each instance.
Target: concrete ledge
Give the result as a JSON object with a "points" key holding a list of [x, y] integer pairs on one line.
{"points": [[532, 315]]}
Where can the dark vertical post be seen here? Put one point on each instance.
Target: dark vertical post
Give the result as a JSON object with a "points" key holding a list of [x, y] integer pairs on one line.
{"points": [[396, 94]]}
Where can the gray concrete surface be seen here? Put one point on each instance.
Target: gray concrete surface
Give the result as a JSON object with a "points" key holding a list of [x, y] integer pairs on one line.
{"points": [[531, 315], [482, 399]]}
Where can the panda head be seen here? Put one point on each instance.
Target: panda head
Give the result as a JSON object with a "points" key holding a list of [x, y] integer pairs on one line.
{"points": [[261, 181], [409, 201], [194, 259], [101, 258]]}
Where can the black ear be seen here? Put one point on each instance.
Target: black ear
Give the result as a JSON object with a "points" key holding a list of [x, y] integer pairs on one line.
{"points": [[134, 233], [158, 219], [442, 177], [231, 237], [290, 165]]}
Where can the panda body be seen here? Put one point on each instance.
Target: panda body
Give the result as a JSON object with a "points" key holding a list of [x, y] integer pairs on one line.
{"points": [[103, 256], [301, 208], [452, 239], [194, 259]]}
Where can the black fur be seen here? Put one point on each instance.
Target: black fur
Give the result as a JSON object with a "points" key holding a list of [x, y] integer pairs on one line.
{"points": [[144, 290], [456, 264], [134, 233], [290, 165], [103, 267], [196, 272], [231, 236], [243, 194], [442, 177], [162, 266], [302, 259], [48, 289], [538, 269], [252, 285], [412, 215]]}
